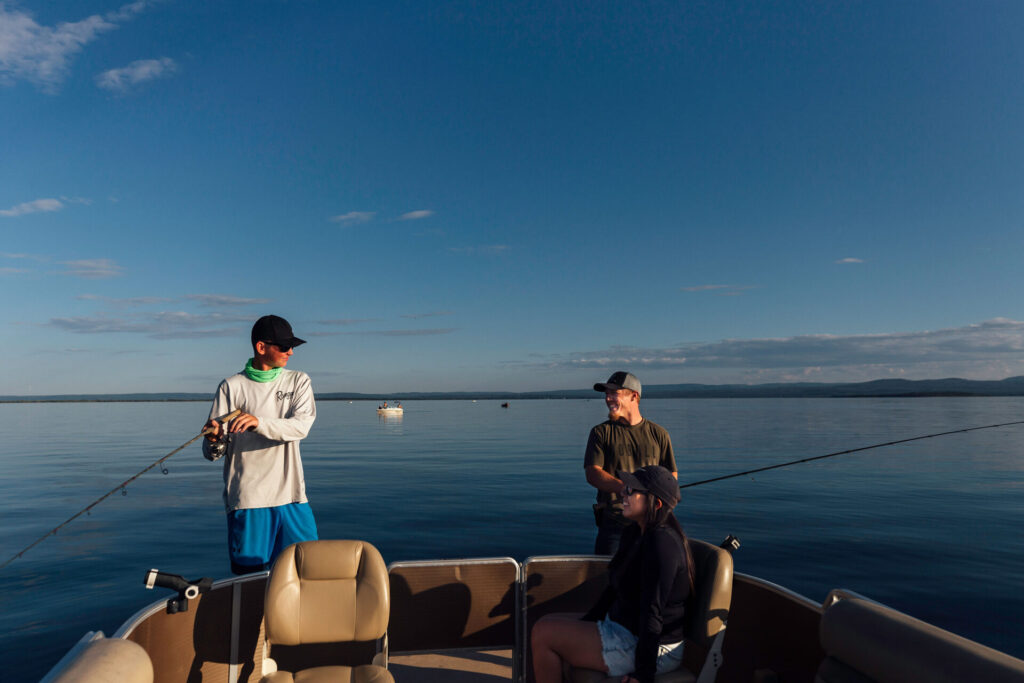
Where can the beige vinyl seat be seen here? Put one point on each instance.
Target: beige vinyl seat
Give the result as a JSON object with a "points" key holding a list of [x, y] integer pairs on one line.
{"points": [[706, 617], [865, 642], [328, 592], [102, 660]]}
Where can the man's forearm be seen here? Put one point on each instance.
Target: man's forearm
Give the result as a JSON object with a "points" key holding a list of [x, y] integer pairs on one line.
{"points": [[602, 481]]}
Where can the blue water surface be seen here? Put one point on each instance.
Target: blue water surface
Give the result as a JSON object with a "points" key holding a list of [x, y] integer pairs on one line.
{"points": [[930, 527]]}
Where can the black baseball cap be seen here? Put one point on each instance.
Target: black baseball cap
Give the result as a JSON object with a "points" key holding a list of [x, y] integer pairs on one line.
{"points": [[653, 479], [619, 380], [276, 330]]}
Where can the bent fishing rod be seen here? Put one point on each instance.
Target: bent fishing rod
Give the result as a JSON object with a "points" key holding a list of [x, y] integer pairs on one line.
{"points": [[846, 452], [224, 419]]}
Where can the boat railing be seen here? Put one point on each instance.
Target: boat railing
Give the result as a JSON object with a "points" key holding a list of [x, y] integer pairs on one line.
{"points": [[468, 621]]}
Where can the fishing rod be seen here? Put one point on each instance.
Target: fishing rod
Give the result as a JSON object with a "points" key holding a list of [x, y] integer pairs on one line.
{"points": [[847, 451], [224, 419], [234, 413]]}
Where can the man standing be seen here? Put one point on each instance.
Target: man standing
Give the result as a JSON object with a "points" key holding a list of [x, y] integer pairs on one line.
{"points": [[264, 488], [625, 442]]}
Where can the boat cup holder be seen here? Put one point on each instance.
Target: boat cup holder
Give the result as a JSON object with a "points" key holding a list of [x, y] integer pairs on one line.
{"points": [[187, 590]]}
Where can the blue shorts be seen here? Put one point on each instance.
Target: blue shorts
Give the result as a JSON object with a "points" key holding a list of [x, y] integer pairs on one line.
{"points": [[618, 648], [258, 535]]}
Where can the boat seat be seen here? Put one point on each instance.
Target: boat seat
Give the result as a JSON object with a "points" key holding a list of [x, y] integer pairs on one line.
{"points": [[706, 617], [103, 660], [865, 642], [327, 592]]}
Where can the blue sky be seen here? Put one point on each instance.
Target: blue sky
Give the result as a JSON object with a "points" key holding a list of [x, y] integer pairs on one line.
{"points": [[488, 196]]}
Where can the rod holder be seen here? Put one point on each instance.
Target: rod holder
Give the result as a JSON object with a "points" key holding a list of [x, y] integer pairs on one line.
{"points": [[187, 590]]}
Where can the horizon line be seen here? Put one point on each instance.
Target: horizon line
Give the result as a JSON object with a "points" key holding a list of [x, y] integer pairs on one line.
{"points": [[188, 396]]}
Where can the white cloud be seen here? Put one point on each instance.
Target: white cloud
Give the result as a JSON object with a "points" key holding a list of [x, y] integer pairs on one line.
{"points": [[432, 314], [228, 300], [704, 288], [93, 269], [159, 325], [181, 325], [850, 260], [394, 333], [77, 200], [15, 270], [140, 71], [347, 321], [42, 54], [997, 345], [36, 206], [204, 300], [719, 290], [483, 249], [353, 217], [125, 301], [416, 215]]}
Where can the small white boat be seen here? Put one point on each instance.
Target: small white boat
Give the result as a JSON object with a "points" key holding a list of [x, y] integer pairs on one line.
{"points": [[390, 411]]}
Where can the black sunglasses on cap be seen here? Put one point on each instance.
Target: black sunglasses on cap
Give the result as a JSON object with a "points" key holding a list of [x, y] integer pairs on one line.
{"points": [[283, 348]]}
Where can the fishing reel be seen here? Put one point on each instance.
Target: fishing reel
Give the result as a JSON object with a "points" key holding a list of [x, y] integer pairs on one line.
{"points": [[187, 590]]}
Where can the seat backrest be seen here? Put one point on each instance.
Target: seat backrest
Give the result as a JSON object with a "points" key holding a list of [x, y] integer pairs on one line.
{"points": [[865, 641], [709, 608], [327, 592]]}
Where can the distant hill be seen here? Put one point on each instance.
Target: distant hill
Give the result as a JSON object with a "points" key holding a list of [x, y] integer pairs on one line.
{"points": [[1012, 386], [953, 386], [99, 398]]}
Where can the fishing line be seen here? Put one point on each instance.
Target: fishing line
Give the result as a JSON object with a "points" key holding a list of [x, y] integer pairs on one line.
{"points": [[122, 487], [850, 450]]}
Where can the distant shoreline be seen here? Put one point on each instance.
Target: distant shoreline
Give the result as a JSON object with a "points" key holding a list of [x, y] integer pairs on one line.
{"points": [[883, 388], [518, 398]]}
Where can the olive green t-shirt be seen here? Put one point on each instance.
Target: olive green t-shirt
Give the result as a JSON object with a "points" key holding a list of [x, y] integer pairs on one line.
{"points": [[614, 446]]}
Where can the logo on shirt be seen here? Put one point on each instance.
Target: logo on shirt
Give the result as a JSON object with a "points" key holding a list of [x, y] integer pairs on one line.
{"points": [[282, 395]]}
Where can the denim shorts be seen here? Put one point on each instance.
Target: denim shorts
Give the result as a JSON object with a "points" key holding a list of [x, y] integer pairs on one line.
{"points": [[618, 647]]}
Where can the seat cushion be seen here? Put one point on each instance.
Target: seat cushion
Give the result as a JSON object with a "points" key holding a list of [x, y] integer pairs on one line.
{"points": [[367, 673], [680, 675], [109, 659]]}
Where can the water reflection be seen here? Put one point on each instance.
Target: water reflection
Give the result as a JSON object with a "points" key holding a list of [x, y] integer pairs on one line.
{"points": [[391, 422]]}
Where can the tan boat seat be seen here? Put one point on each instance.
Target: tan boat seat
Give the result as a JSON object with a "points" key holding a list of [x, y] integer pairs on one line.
{"points": [[866, 642], [707, 614], [327, 592], [107, 659]]}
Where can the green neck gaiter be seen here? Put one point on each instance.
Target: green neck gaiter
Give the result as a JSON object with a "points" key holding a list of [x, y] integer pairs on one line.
{"points": [[261, 375]]}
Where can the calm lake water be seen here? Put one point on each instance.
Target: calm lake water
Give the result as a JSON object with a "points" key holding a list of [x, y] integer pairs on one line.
{"points": [[932, 528]]}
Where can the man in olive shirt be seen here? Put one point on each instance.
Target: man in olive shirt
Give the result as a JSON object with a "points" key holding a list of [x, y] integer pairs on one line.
{"points": [[626, 442]]}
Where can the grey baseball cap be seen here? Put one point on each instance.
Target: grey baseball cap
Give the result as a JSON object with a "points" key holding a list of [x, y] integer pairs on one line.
{"points": [[619, 380]]}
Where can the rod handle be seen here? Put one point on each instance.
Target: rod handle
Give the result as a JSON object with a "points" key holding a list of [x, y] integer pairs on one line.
{"points": [[223, 419]]}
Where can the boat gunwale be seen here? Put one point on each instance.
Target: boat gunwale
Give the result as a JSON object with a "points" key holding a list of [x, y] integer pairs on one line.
{"points": [[497, 559], [125, 630], [788, 592], [131, 623]]}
